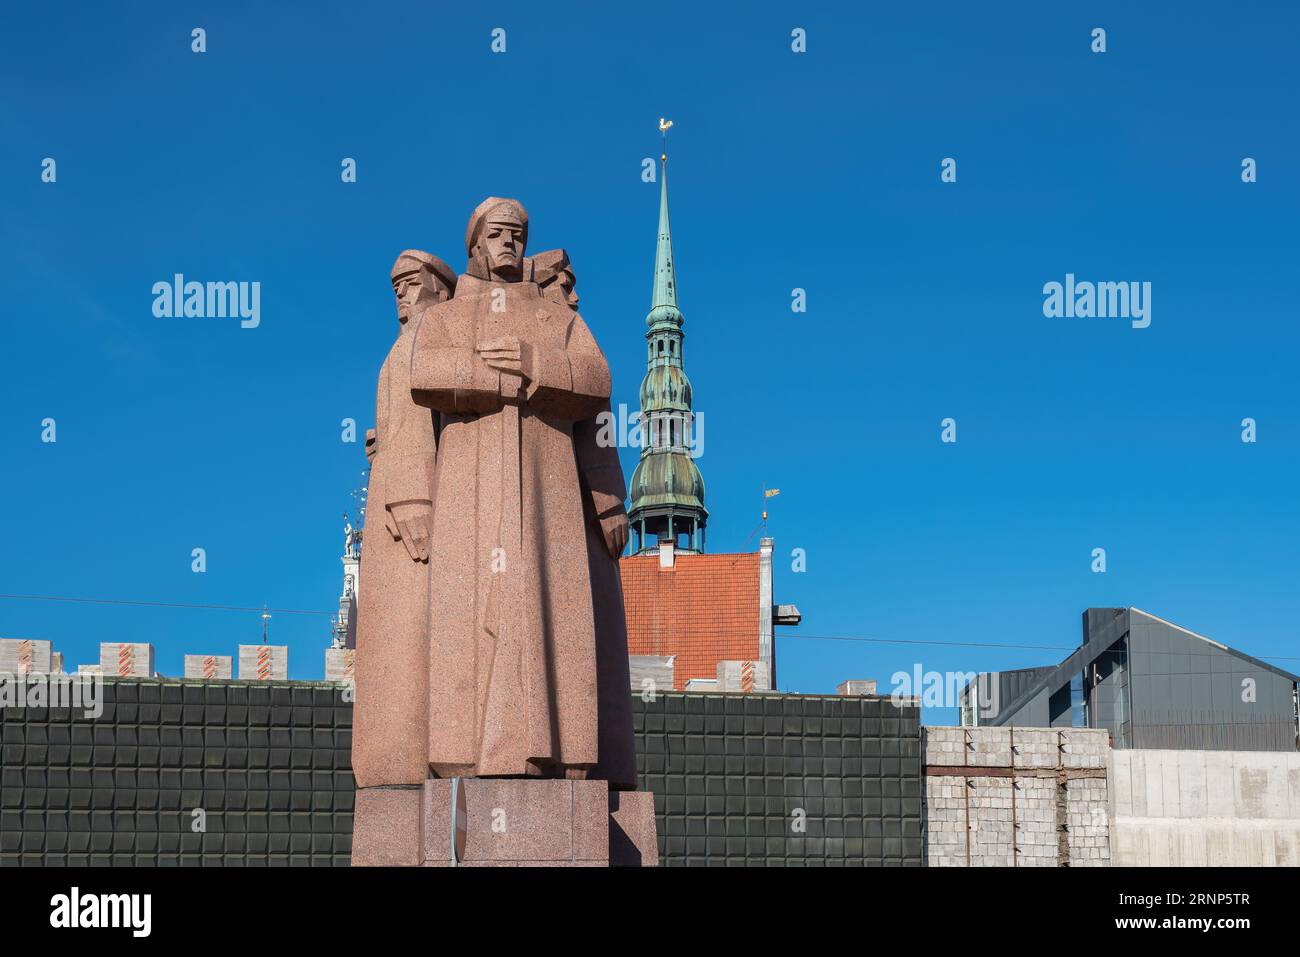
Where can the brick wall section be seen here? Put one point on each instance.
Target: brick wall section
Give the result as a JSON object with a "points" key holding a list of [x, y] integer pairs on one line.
{"points": [[703, 610], [1055, 813]]}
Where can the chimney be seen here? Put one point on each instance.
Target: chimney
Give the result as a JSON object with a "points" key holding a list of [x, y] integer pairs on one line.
{"points": [[665, 554]]}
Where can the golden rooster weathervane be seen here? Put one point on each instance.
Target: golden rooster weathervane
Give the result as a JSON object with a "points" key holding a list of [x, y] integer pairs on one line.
{"points": [[664, 126]]}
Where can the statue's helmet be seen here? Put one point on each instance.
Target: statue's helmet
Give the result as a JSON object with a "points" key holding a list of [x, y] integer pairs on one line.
{"points": [[549, 265], [496, 209], [417, 261]]}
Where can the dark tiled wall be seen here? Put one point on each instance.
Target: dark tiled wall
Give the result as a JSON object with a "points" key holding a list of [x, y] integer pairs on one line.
{"points": [[269, 764], [729, 774]]}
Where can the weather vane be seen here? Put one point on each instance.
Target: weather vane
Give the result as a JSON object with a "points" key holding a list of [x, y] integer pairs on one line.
{"points": [[664, 127]]}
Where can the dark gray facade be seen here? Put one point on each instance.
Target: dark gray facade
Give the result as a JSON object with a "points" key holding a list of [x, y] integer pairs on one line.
{"points": [[731, 775], [753, 779], [269, 766], [1152, 684]]}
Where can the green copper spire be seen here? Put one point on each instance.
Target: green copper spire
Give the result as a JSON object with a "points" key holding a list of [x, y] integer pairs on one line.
{"points": [[667, 490], [665, 289]]}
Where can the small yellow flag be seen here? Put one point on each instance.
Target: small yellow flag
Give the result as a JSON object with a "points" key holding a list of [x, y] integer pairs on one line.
{"points": [[768, 493]]}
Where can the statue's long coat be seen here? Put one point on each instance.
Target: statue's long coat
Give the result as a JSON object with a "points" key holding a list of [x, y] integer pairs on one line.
{"points": [[604, 492], [512, 679], [390, 716]]}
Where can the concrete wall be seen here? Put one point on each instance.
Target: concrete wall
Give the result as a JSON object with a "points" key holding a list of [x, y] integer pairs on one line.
{"points": [[1205, 808], [1016, 797]]}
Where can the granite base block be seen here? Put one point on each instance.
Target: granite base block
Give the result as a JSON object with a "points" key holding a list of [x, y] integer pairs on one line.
{"points": [[504, 822]]}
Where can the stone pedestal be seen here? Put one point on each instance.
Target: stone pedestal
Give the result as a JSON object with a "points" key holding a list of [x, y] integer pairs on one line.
{"points": [[633, 838], [504, 822]]}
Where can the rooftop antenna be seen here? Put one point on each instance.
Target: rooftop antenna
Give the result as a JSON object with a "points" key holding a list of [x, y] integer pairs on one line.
{"points": [[266, 619]]}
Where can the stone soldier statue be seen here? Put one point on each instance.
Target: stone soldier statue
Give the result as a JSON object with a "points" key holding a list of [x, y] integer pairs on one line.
{"points": [[512, 661], [521, 680], [390, 715]]}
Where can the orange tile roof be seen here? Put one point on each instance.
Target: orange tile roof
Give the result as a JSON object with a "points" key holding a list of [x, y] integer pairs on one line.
{"points": [[703, 610]]}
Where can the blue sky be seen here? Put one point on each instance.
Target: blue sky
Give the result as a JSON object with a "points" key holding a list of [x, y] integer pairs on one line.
{"points": [[818, 171]]}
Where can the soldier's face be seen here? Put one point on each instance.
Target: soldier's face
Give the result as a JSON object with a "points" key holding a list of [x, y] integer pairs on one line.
{"points": [[502, 247], [407, 289], [567, 283]]}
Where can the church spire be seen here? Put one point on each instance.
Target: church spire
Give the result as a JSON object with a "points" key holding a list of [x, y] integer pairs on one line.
{"points": [[667, 490], [665, 287]]}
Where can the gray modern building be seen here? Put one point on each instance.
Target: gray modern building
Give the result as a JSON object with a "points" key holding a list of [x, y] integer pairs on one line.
{"points": [[1152, 684]]}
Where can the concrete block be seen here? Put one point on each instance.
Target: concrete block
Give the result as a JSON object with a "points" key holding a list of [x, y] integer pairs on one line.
{"points": [[1121, 784], [652, 672], [1169, 797], [126, 659], [263, 662], [340, 664], [1153, 766], [743, 677], [864, 686], [1220, 779], [25, 656], [207, 667], [1192, 787]]}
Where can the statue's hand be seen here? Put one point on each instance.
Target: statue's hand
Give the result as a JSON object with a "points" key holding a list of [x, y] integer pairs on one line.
{"points": [[614, 529], [504, 354], [414, 521]]}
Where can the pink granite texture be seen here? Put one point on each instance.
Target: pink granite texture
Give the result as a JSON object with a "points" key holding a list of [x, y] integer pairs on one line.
{"points": [[519, 821], [392, 661], [633, 834], [604, 490], [386, 827]]}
